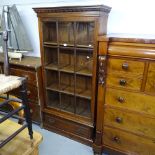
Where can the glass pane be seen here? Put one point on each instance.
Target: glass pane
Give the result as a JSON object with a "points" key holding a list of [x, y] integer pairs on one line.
{"points": [[66, 33], [52, 80], [53, 99], [83, 107], [67, 83], [49, 32], [84, 62], [67, 103], [51, 58], [66, 60], [85, 34], [83, 86]]}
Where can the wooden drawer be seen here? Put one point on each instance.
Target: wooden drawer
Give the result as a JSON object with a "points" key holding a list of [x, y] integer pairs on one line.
{"points": [[129, 100], [32, 92], [119, 81], [68, 126], [150, 83], [122, 66], [23, 73], [130, 122], [129, 143], [35, 112]]}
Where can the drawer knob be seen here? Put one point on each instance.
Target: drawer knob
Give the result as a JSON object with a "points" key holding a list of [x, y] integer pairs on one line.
{"points": [[122, 82], [120, 99], [28, 92], [119, 120], [116, 139], [125, 66]]}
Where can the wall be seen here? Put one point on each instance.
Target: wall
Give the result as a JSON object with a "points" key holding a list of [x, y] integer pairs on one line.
{"points": [[126, 16]]}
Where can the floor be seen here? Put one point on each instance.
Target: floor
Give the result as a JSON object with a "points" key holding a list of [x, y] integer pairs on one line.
{"points": [[54, 144]]}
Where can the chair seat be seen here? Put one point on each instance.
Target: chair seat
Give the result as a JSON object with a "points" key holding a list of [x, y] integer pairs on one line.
{"points": [[8, 83]]}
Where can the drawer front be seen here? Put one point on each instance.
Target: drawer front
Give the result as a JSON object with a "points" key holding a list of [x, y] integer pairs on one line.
{"points": [[35, 112], [129, 100], [23, 73], [150, 83], [122, 66], [133, 83], [130, 122], [68, 126], [32, 92], [129, 143]]}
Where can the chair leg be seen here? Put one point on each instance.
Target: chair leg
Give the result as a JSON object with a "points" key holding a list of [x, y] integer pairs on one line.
{"points": [[27, 108]]}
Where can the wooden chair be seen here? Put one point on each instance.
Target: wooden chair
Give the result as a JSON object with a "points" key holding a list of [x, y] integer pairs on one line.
{"points": [[7, 84]]}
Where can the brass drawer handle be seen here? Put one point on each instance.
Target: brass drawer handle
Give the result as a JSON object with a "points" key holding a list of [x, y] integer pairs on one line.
{"points": [[118, 119], [125, 66], [28, 92], [122, 82], [116, 139], [31, 111], [26, 76], [120, 99]]}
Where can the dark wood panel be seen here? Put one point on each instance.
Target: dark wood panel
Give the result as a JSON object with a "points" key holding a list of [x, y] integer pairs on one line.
{"points": [[68, 126], [131, 122], [128, 143], [133, 101]]}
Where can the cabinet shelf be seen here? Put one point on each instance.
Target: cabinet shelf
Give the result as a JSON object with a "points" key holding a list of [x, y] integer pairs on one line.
{"points": [[69, 69], [49, 43], [84, 72], [65, 45], [52, 66], [70, 90]]}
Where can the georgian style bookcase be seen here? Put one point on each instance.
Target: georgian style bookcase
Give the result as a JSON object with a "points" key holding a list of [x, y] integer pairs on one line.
{"points": [[68, 43]]}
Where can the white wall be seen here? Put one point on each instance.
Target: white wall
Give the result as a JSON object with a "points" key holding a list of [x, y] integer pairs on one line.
{"points": [[126, 16]]}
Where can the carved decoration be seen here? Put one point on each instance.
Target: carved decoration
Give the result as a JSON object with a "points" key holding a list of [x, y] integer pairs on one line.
{"points": [[101, 76]]}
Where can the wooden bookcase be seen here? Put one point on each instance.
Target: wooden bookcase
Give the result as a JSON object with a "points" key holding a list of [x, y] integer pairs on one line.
{"points": [[68, 41]]}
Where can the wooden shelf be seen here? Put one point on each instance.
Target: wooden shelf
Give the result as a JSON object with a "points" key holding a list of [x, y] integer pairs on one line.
{"points": [[83, 111], [66, 89], [65, 45], [54, 104], [67, 69], [85, 72], [52, 66], [84, 94], [85, 46], [53, 87], [46, 43]]}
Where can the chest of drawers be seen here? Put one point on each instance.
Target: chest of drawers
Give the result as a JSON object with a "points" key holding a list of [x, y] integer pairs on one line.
{"points": [[126, 97], [29, 67]]}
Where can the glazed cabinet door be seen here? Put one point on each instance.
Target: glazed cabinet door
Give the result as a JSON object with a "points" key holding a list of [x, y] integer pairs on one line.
{"points": [[69, 66]]}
